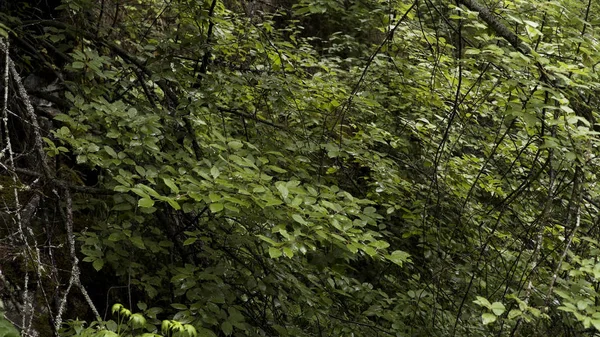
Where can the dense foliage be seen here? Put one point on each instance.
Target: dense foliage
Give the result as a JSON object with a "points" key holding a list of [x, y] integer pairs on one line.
{"points": [[300, 168]]}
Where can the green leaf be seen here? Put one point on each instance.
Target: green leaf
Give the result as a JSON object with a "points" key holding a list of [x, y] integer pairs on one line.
{"points": [[498, 308], [216, 207], [139, 192], [514, 313], [189, 241], [190, 330], [137, 320], [482, 301], [283, 190], [271, 201], [488, 318], [227, 328], [203, 332], [116, 308], [145, 202], [165, 326], [235, 145], [98, 264], [398, 257], [235, 315], [298, 218], [369, 250], [567, 309], [138, 242], [140, 170], [274, 252], [169, 182], [267, 239], [288, 252], [110, 152], [379, 244], [114, 237], [214, 171], [173, 203]]}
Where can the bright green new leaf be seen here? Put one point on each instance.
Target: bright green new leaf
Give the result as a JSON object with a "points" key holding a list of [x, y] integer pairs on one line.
{"points": [[498, 308], [488, 318], [482, 301], [288, 252]]}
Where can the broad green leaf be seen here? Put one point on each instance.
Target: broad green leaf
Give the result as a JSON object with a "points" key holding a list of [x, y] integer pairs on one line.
{"points": [[214, 171], [227, 328], [137, 320], [398, 257], [514, 313], [98, 264], [110, 151], [274, 252], [288, 252], [379, 244], [235, 145], [216, 207], [138, 242], [488, 318], [498, 308], [145, 202], [482, 301], [369, 250], [282, 189]]}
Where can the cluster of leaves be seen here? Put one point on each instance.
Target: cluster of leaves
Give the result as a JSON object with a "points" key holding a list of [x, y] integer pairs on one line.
{"points": [[410, 168], [130, 324]]}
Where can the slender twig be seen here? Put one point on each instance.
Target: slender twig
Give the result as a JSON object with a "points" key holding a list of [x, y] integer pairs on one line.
{"points": [[39, 148], [26, 247], [75, 272], [207, 53]]}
